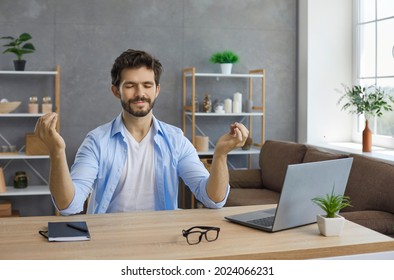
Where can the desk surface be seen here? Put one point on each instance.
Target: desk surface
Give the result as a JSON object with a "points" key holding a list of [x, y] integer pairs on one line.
{"points": [[157, 235]]}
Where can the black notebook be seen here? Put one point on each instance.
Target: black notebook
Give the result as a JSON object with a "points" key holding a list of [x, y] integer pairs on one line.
{"points": [[68, 231]]}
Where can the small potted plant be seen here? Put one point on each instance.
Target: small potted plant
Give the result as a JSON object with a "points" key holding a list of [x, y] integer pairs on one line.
{"points": [[226, 59], [331, 224], [19, 47], [368, 101]]}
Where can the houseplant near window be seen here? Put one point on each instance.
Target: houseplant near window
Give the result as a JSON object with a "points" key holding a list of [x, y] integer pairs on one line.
{"points": [[19, 47], [370, 101], [332, 223], [226, 59]]}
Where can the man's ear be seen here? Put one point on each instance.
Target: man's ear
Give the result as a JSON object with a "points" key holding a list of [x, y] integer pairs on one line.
{"points": [[115, 91], [157, 90]]}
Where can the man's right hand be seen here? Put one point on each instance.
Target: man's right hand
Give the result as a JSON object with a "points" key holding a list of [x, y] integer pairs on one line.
{"points": [[46, 130]]}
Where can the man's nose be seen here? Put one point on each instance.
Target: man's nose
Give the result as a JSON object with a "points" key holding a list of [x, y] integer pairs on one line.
{"points": [[139, 89]]}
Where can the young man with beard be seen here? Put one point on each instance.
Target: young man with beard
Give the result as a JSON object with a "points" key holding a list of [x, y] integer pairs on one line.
{"points": [[134, 162]]}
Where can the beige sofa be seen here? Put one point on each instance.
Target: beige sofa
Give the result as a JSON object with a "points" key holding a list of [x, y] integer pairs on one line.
{"points": [[370, 185]]}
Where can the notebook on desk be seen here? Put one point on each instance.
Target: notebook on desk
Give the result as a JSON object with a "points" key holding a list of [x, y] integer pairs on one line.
{"points": [[302, 183], [67, 231]]}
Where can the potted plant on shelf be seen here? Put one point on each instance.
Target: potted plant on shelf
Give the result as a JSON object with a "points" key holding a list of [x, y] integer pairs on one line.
{"points": [[368, 101], [226, 59], [331, 224], [19, 47]]}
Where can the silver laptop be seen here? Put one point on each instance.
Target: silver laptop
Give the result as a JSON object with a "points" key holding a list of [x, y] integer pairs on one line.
{"points": [[302, 182]]}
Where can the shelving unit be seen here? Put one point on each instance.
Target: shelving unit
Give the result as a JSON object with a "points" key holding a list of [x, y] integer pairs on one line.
{"points": [[7, 158], [189, 111], [191, 117]]}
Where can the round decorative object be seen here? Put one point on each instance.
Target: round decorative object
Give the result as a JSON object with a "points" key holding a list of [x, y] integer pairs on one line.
{"points": [[207, 104], [8, 107], [219, 107]]}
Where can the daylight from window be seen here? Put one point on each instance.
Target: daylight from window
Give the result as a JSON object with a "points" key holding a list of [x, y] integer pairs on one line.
{"points": [[375, 55]]}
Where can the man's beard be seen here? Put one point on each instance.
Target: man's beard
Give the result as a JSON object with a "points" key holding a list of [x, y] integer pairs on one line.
{"points": [[127, 106]]}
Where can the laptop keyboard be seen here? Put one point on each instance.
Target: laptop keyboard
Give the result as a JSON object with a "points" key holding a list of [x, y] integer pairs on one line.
{"points": [[267, 221]]}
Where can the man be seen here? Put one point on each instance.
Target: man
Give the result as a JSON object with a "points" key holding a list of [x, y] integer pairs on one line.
{"points": [[134, 162]]}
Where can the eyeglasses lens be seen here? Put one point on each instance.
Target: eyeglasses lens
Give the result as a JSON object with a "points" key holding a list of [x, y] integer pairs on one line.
{"points": [[211, 235], [194, 237]]}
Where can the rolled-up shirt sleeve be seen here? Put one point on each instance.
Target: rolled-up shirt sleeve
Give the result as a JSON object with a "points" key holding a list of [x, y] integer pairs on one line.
{"points": [[195, 175]]}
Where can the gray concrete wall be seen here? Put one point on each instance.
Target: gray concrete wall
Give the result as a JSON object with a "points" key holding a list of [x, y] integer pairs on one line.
{"points": [[84, 38]]}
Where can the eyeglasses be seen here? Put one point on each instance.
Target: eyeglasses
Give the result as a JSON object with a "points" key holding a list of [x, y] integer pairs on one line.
{"points": [[194, 234]]}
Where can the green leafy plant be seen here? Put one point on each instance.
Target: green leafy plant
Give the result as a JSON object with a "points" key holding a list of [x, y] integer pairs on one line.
{"points": [[226, 56], [18, 45], [370, 101], [332, 203]]}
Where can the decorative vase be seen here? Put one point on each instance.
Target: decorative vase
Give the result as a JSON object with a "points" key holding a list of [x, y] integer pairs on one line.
{"points": [[19, 65], [330, 226], [367, 138], [226, 68]]}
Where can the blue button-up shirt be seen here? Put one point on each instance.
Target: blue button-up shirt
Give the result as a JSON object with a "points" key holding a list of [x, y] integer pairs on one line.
{"points": [[102, 156]]}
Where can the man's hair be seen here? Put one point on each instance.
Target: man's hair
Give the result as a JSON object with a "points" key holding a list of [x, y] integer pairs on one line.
{"points": [[134, 59]]}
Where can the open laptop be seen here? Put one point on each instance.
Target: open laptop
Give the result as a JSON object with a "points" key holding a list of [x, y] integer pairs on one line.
{"points": [[302, 182]]}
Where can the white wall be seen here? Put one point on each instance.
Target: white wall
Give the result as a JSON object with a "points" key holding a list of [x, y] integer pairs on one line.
{"points": [[325, 58]]}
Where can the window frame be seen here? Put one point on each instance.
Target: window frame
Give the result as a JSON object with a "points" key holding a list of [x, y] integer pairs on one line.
{"points": [[386, 141]]}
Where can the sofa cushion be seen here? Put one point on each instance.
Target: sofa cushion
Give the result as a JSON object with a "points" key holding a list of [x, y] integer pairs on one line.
{"points": [[240, 197], [275, 156], [382, 222], [245, 178], [370, 185], [313, 154]]}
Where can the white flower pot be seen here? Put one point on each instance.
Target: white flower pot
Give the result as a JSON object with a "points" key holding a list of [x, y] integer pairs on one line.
{"points": [[226, 68], [330, 226]]}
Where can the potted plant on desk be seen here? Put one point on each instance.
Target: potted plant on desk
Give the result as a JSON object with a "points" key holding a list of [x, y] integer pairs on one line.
{"points": [[19, 47], [332, 223], [226, 59], [368, 101]]}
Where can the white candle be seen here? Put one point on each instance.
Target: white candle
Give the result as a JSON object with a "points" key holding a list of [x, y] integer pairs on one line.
{"points": [[202, 143], [238, 98], [236, 107], [228, 104]]}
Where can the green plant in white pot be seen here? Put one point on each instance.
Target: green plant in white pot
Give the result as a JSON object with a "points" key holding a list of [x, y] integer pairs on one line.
{"points": [[226, 59], [331, 224], [19, 47]]}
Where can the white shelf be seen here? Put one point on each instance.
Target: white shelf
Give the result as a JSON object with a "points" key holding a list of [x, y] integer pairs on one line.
{"points": [[219, 75], [21, 115], [30, 190], [28, 73], [21, 156], [251, 151], [224, 114]]}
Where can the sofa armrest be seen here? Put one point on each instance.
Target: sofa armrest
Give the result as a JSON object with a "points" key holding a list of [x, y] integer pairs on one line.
{"points": [[249, 179]]}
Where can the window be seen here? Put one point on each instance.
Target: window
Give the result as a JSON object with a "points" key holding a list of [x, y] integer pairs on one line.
{"points": [[375, 60]]}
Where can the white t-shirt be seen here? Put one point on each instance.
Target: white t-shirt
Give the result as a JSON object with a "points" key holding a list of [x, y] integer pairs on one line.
{"points": [[136, 190]]}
